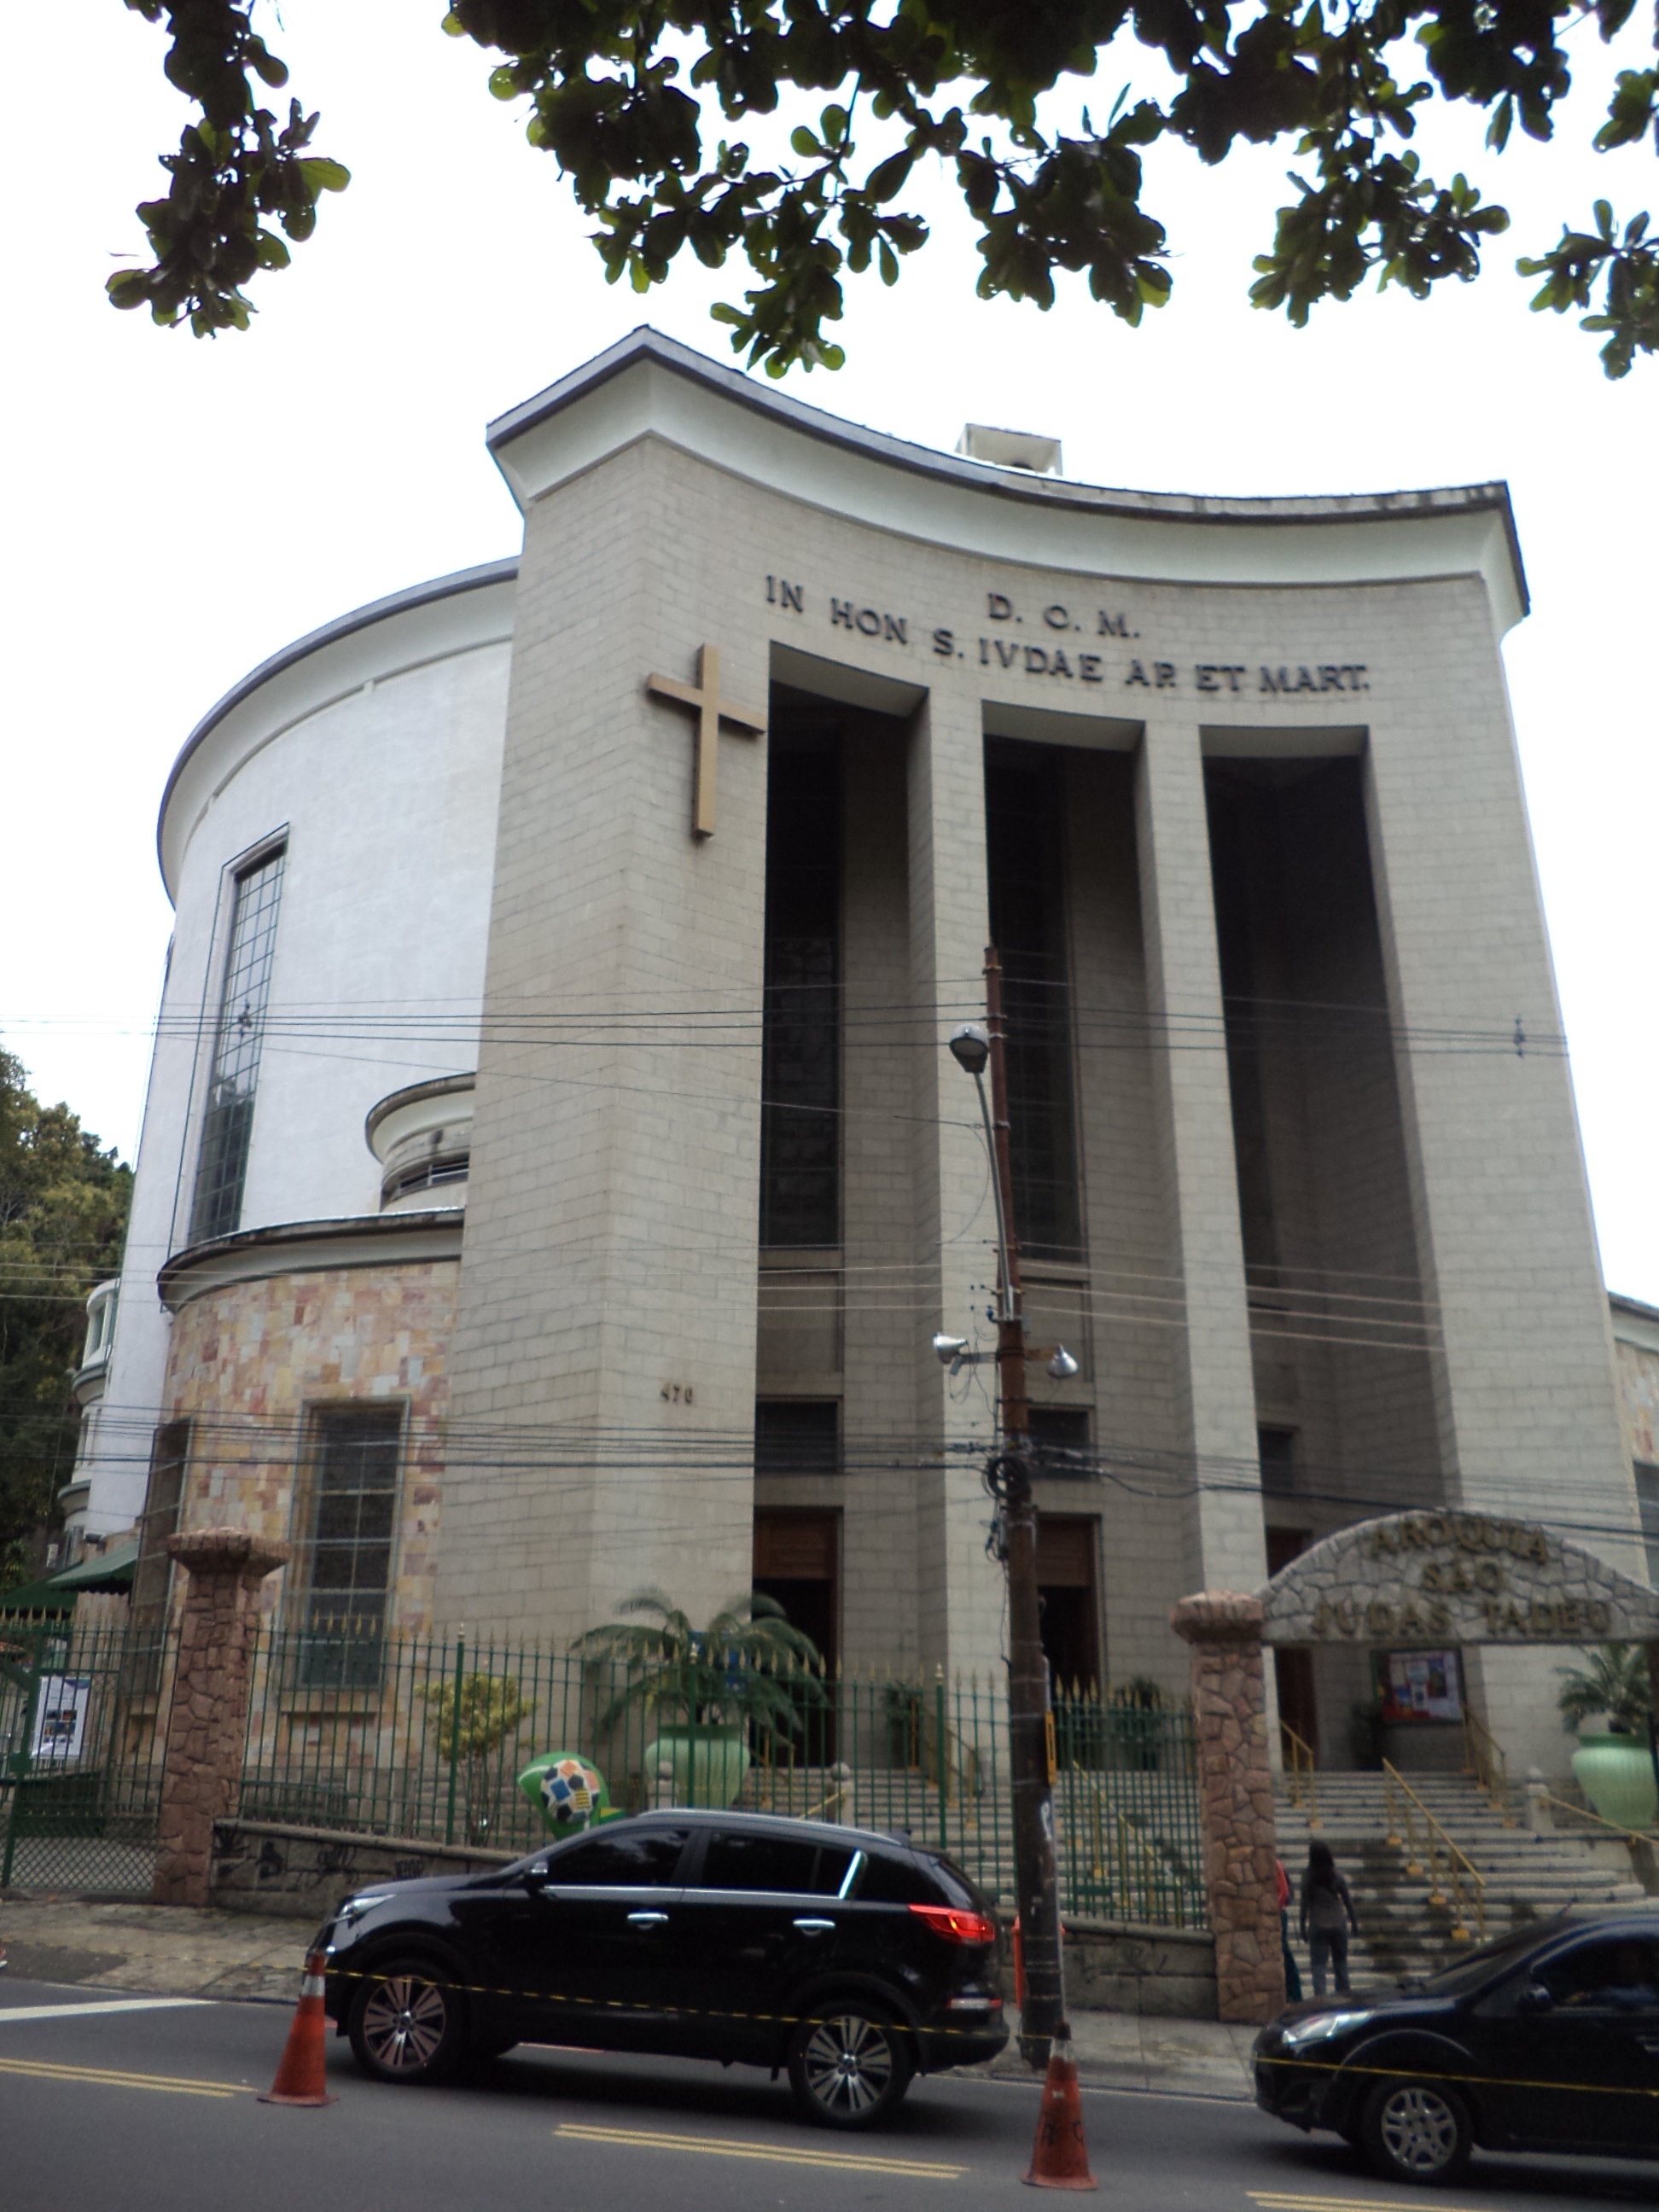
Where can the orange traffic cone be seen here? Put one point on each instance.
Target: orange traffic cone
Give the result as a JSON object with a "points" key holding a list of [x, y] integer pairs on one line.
{"points": [[1059, 2158], [300, 2077]]}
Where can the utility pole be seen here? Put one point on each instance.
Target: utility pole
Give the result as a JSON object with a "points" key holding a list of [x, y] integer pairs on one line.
{"points": [[1035, 1879]]}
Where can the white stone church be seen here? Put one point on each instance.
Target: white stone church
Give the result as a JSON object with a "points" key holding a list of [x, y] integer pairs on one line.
{"points": [[553, 1174]]}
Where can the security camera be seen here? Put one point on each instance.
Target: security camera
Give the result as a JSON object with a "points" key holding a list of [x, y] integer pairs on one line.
{"points": [[970, 1046], [949, 1348], [1062, 1366]]}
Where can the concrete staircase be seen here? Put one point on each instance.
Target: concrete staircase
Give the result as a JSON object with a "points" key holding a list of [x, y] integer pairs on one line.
{"points": [[1527, 1876]]}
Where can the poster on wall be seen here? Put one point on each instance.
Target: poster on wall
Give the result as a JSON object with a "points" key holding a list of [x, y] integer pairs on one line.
{"points": [[60, 1718], [1418, 1686]]}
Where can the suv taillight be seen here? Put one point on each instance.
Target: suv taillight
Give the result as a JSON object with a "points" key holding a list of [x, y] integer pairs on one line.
{"points": [[956, 1927]]}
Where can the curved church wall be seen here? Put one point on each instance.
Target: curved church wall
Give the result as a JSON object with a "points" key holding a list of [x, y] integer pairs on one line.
{"points": [[250, 1361], [373, 752]]}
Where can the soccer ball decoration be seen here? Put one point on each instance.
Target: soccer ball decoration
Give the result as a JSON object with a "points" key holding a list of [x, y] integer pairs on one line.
{"points": [[567, 1791]]}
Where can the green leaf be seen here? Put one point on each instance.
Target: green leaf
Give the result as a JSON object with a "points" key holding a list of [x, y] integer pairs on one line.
{"points": [[322, 175], [804, 144]]}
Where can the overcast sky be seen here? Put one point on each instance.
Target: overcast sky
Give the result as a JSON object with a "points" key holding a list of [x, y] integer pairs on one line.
{"points": [[176, 510]]}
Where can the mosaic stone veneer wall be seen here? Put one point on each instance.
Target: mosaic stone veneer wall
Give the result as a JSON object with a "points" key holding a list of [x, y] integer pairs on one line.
{"points": [[246, 1361]]}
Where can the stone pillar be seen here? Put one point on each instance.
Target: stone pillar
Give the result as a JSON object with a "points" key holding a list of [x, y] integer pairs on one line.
{"points": [[608, 1283], [1225, 1545], [959, 1590], [1236, 1800], [207, 1731]]}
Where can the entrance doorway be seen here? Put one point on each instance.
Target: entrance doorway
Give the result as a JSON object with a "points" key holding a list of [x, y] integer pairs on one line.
{"points": [[797, 1563], [1068, 1596], [1293, 1664]]}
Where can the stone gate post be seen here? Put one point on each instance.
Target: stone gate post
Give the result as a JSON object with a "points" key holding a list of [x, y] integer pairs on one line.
{"points": [[1235, 1783], [207, 1729]]}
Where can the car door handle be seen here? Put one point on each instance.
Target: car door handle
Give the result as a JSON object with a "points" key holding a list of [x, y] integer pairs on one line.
{"points": [[1649, 2042], [815, 1927], [647, 1919]]}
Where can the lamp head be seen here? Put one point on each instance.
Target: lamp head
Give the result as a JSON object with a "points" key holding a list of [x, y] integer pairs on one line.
{"points": [[949, 1348], [1062, 1366], [970, 1046]]}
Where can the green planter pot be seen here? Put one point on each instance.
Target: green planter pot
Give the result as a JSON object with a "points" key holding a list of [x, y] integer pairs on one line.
{"points": [[710, 1763], [1615, 1773]]}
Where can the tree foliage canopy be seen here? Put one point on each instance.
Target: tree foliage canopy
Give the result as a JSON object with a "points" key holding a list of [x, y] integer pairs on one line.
{"points": [[63, 1216], [623, 96]]}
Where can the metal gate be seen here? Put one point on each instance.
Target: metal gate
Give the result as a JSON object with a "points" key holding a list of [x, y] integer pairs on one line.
{"points": [[83, 1716]]}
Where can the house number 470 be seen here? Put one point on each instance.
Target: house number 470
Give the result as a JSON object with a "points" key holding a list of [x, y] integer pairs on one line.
{"points": [[678, 1393]]}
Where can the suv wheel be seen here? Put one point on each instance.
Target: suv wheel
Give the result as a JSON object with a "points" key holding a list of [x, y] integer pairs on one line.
{"points": [[406, 2025], [850, 2065], [1416, 2132]]}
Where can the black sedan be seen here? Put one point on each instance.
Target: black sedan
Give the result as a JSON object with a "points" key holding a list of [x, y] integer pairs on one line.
{"points": [[1544, 2040], [855, 1959]]}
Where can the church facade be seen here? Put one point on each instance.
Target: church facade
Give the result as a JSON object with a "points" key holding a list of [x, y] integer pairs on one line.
{"points": [[553, 1175]]}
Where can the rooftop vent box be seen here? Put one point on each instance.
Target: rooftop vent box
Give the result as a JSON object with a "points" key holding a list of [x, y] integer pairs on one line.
{"points": [[1010, 449]]}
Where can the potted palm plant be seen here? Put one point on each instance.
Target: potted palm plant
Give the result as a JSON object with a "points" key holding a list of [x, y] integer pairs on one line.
{"points": [[708, 1688], [1614, 1768]]}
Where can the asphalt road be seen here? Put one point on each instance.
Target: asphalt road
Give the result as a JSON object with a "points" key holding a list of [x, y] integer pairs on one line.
{"points": [[146, 2108]]}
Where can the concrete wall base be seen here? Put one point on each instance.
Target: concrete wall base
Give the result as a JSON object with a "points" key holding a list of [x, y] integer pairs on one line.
{"points": [[304, 1874], [1135, 1967]]}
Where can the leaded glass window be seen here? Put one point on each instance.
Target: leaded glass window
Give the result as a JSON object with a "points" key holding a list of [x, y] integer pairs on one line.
{"points": [[800, 1039], [353, 1498], [1024, 845], [221, 1168]]}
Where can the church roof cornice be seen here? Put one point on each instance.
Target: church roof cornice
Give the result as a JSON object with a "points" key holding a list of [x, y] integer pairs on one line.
{"points": [[512, 442], [305, 1248]]}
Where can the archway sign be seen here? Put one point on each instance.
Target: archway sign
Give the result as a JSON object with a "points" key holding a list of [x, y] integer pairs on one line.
{"points": [[1455, 1579], [1429, 1578]]}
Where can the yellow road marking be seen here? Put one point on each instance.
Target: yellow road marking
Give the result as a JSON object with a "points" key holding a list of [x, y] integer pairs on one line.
{"points": [[106, 2077], [1273, 2200], [726, 2147]]}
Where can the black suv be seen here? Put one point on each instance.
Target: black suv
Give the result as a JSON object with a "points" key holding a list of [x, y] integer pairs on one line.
{"points": [[855, 1959], [1547, 2040]]}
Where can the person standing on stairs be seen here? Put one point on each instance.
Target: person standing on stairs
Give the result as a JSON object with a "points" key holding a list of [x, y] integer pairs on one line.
{"points": [[1326, 1917]]}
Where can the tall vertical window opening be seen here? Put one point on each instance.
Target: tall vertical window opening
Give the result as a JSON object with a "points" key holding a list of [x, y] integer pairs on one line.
{"points": [[798, 1436], [152, 1577], [1276, 1452], [222, 1170], [1028, 927], [1647, 1491], [350, 1516], [801, 1037]]}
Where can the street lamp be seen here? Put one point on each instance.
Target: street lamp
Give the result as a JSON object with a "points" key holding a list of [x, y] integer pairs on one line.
{"points": [[976, 1047]]}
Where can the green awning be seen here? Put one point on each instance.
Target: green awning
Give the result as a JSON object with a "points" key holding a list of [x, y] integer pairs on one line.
{"points": [[105, 1571], [37, 1597]]}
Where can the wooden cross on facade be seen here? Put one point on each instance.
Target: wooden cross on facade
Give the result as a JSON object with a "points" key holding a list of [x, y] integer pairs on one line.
{"points": [[704, 697]]}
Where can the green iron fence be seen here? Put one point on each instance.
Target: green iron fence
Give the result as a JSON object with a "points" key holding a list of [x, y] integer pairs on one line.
{"points": [[83, 1738], [423, 1737]]}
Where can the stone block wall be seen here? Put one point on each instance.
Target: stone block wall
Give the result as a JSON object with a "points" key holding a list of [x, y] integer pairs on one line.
{"points": [[246, 1361]]}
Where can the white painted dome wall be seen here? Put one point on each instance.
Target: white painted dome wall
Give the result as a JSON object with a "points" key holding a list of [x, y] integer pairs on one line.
{"points": [[376, 747]]}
